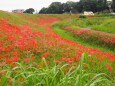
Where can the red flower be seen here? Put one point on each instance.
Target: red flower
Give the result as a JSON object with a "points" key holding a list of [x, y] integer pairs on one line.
{"points": [[44, 55], [39, 51], [109, 67], [0, 35], [38, 66], [26, 59]]}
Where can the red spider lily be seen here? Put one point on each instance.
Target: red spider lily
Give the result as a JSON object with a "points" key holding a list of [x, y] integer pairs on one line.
{"points": [[47, 62], [1, 48], [70, 60], [56, 61], [3, 63], [38, 66], [22, 79], [109, 67], [66, 70], [9, 81], [85, 65], [0, 35], [28, 59], [44, 55], [10, 60], [13, 65], [33, 43], [17, 41], [39, 51], [78, 59], [78, 53]]}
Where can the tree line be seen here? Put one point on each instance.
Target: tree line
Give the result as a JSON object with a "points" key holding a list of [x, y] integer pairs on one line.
{"points": [[78, 7]]}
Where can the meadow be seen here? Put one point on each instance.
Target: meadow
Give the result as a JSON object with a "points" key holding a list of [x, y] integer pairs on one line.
{"points": [[92, 31], [43, 50]]}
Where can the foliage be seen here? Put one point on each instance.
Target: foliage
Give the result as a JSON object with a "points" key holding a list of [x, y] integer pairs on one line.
{"points": [[54, 8], [56, 75], [30, 10], [31, 53], [82, 16], [76, 7], [92, 31], [43, 10], [113, 5]]}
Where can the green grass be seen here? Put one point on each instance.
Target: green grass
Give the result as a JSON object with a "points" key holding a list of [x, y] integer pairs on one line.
{"points": [[54, 74], [70, 36], [12, 18], [27, 75], [105, 24]]}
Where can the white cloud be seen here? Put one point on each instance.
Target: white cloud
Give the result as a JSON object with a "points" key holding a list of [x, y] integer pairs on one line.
{"points": [[9, 5]]}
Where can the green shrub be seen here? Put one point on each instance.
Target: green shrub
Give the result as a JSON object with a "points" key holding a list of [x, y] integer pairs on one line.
{"points": [[82, 16]]}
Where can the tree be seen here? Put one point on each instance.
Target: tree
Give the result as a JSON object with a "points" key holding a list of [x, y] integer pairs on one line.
{"points": [[30, 10], [55, 8], [113, 5], [43, 10], [78, 7], [69, 6], [101, 5], [73, 7], [94, 5], [65, 7], [89, 5]]}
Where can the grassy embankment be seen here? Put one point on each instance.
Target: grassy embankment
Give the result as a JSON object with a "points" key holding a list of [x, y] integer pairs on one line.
{"points": [[102, 24], [33, 55]]}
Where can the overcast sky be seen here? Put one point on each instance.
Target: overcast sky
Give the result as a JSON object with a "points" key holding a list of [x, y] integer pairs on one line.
{"points": [[9, 5]]}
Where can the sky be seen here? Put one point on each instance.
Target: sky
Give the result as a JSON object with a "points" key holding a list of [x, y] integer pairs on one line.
{"points": [[9, 5]]}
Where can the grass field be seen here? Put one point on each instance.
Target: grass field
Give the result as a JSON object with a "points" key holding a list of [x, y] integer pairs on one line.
{"points": [[90, 31], [36, 51], [105, 24]]}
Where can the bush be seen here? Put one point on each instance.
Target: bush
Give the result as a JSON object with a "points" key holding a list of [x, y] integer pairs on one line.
{"points": [[82, 16]]}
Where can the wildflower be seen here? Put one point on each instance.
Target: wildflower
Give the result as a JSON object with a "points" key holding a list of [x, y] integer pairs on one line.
{"points": [[0, 35], [56, 61], [85, 65], [33, 57], [109, 67], [78, 53], [38, 66], [66, 70], [22, 79], [44, 55], [78, 59], [26, 59], [39, 51]]}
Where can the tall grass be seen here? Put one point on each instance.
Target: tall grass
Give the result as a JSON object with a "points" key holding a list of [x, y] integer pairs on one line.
{"points": [[54, 76]]}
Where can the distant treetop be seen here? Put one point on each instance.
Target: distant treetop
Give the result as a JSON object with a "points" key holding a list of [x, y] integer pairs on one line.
{"points": [[78, 7], [30, 10]]}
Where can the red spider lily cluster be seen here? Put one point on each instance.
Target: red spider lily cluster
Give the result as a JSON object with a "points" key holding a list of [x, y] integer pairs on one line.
{"points": [[103, 38], [24, 44], [48, 19], [14, 41]]}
